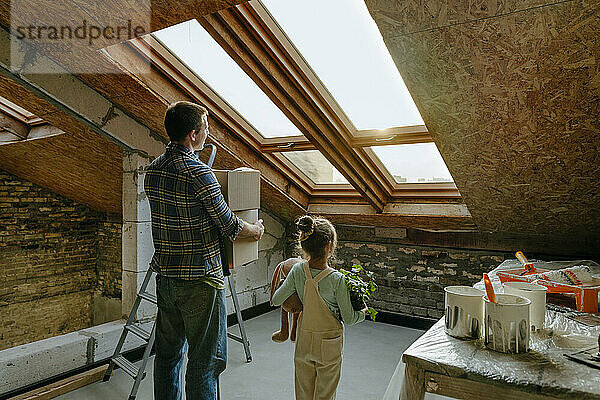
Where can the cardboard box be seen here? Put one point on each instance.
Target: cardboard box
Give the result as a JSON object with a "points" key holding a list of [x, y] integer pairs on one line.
{"points": [[243, 251], [240, 187]]}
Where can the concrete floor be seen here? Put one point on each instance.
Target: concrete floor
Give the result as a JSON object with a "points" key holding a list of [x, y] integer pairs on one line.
{"points": [[371, 354]]}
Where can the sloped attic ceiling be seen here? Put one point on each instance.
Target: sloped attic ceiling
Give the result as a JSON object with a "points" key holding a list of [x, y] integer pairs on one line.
{"points": [[79, 164], [510, 92]]}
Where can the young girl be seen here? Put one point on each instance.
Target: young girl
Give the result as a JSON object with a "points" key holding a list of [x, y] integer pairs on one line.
{"points": [[326, 300]]}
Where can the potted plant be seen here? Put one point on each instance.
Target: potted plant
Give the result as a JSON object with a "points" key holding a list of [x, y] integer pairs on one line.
{"points": [[361, 286]]}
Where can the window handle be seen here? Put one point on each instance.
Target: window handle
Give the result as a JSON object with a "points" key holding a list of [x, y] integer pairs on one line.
{"points": [[287, 146]]}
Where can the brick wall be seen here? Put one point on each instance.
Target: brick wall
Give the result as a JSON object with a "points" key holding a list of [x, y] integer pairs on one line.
{"points": [[49, 251], [109, 257], [411, 278]]}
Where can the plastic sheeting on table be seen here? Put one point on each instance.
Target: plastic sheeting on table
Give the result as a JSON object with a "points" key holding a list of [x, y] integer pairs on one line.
{"points": [[551, 265], [543, 368], [544, 365]]}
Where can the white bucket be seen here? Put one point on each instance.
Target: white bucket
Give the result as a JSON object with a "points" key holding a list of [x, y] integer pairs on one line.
{"points": [[507, 323], [463, 312], [537, 294]]}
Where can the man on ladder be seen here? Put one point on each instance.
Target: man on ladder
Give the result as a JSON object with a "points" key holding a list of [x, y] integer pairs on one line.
{"points": [[189, 216]]}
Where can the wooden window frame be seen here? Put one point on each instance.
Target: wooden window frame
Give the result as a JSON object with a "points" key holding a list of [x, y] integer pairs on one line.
{"points": [[256, 14], [167, 62], [19, 113]]}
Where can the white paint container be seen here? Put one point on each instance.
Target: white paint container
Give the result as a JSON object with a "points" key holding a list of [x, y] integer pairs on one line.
{"points": [[463, 312], [507, 323], [537, 294]]}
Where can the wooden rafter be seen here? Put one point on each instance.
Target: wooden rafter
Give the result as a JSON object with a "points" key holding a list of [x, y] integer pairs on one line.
{"points": [[422, 215], [168, 63], [15, 127], [279, 73]]}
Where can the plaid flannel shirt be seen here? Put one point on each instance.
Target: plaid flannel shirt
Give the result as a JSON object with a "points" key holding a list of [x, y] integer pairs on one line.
{"points": [[189, 215]]}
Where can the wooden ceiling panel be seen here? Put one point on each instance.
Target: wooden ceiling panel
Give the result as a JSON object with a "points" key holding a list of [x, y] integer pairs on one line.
{"points": [[79, 165], [123, 89], [513, 104]]}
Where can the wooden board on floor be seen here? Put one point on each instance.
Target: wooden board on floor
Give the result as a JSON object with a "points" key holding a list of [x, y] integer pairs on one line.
{"points": [[64, 386]]}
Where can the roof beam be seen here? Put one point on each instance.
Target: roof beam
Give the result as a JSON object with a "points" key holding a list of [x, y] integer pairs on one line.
{"points": [[277, 72], [74, 98], [170, 80], [99, 72], [424, 215], [13, 126]]}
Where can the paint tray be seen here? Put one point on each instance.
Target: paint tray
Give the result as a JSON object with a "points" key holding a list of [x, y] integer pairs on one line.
{"points": [[586, 295]]}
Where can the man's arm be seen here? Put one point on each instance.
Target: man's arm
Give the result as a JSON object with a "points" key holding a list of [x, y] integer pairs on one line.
{"points": [[208, 191]]}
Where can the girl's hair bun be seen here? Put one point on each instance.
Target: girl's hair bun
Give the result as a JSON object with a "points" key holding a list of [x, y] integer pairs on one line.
{"points": [[306, 224]]}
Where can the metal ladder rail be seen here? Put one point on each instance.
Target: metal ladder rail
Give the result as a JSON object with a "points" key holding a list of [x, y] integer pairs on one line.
{"points": [[130, 327], [243, 338]]}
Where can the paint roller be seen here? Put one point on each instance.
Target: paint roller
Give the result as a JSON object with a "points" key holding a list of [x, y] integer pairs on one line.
{"points": [[528, 266]]}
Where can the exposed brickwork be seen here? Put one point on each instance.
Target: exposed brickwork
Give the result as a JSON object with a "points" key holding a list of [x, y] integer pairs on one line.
{"points": [[109, 257], [41, 319], [49, 252], [411, 278]]}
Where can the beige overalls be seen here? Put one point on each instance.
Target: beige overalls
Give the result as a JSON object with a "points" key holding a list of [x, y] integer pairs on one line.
{"points": [[318, 355]]}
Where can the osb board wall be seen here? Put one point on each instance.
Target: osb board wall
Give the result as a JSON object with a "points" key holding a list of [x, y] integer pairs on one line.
{"points": [[510, 92], [79, 165]]}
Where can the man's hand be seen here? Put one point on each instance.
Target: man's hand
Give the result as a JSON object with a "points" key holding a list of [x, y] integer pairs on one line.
{"points": [[255, 230], [259, 229]]}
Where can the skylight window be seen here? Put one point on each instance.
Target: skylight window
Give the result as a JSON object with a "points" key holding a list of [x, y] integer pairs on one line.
{"points": [[196, 48], [341, 42], [414, 163], [315, 166]]}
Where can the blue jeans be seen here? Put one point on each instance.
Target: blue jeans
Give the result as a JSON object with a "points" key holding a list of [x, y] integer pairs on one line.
{"points": [[192, 317]]}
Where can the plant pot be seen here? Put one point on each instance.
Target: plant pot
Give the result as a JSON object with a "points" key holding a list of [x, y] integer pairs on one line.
{"points": [[356, 301]]}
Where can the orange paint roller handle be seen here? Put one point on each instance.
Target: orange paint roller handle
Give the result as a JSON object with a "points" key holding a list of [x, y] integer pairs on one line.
{"points": [[528, 266], [489, 289]]}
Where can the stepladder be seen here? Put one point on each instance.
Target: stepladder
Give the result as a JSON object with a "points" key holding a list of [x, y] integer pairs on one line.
{"points": [[133, 326], [138, 373]]}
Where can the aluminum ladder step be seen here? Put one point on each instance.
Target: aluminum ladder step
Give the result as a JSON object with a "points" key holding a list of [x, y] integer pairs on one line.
{"points": [[127, 366], [138, 331], [148, 297]]}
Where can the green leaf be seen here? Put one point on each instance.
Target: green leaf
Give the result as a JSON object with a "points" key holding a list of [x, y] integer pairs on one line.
{"points": [[372, 313]]}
